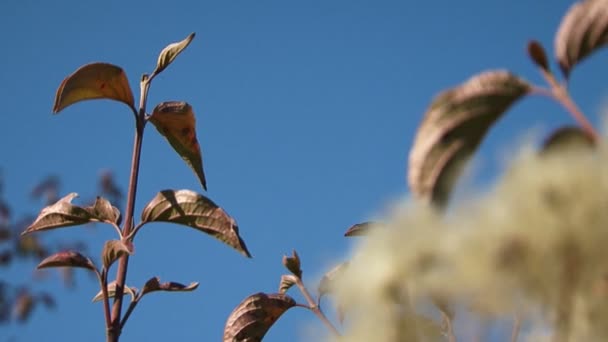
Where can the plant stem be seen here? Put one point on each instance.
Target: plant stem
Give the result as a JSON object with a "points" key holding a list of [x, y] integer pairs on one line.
{"points": [[314, 307], [449, 326], [516, 328], [560, 93], [103, 283], [129, 311], [121, 273]]}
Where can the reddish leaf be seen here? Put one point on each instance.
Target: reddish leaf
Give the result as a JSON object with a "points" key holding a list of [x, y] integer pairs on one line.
{"points": [[67, 259], [360, 229], [154, 284], [94, 81], [292, 264], [453, 126], [169, 53], [537, 55], [176, 122], [113, 250], [583, 30], [61, 214], [23, 306], [103, 211], [188, 208], [252, 318]]}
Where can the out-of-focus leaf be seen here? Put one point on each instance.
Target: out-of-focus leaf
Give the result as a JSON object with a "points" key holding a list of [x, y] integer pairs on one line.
{"points": [[103, 211], [176, 122], [108, 186], [170, 52], [47, 299], [94, 81], [569, 138], [188, 208], [23, 306], [583, 30], [453, 126], [112, 292], [5, 234], [327, 282], [61, 214], [287, 281], [537, 55], [252, 318], [67, 259], [154, 284], [48, 189], [362, 228], [6, 257], [292, 264], [114, 249], [30, 245]]}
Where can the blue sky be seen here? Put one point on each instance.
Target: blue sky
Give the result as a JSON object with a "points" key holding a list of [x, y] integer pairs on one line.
{"points": [[306, 111]]}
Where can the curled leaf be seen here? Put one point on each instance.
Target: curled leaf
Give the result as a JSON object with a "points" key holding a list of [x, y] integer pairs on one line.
{"points": [[252, 318], [292, 264], [453, 126], [112, 292], [360, 229], [67, 259], [583, 30], [176, 122], [113, 250], [61, 214], [154, 284], [570, 138], [94, 81], [327, 282], [287, 281], [194, 210], [170, 52], [103, 211]]}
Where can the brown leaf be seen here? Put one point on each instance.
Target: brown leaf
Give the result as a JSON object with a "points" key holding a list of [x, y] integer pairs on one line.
{"points": [[67, 259], [113, 250], [537, 55], [94, 81], [292, 264], [363, 228], [252, 318], [194, 210], [169, 53], [23, 305], [112, 292], [570, 138], [61, 214], [453, 126], [103, 211], [583, 30], [176, 122], [154, 284]]}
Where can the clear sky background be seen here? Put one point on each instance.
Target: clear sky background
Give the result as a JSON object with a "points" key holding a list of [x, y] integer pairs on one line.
{"points": [[306, 111]]}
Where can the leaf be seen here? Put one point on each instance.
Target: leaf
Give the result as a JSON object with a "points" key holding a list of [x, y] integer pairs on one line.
{"points": [[113, 250], [537, 55], [570, 138], [176, 122], [292, 264], [583, 30], [287, 281], [188, 208], [170, 52], [112, 292], [363, 228], [252, 318], [94, 81], [23, 305], [154, 284], [327, 282], [453, 126], [67, 259], [103, 211], [61, 214]]}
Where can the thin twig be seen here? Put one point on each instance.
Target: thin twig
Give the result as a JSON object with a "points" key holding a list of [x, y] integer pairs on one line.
{"points": [[516, 328], [449, 326], [315, 308]]}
